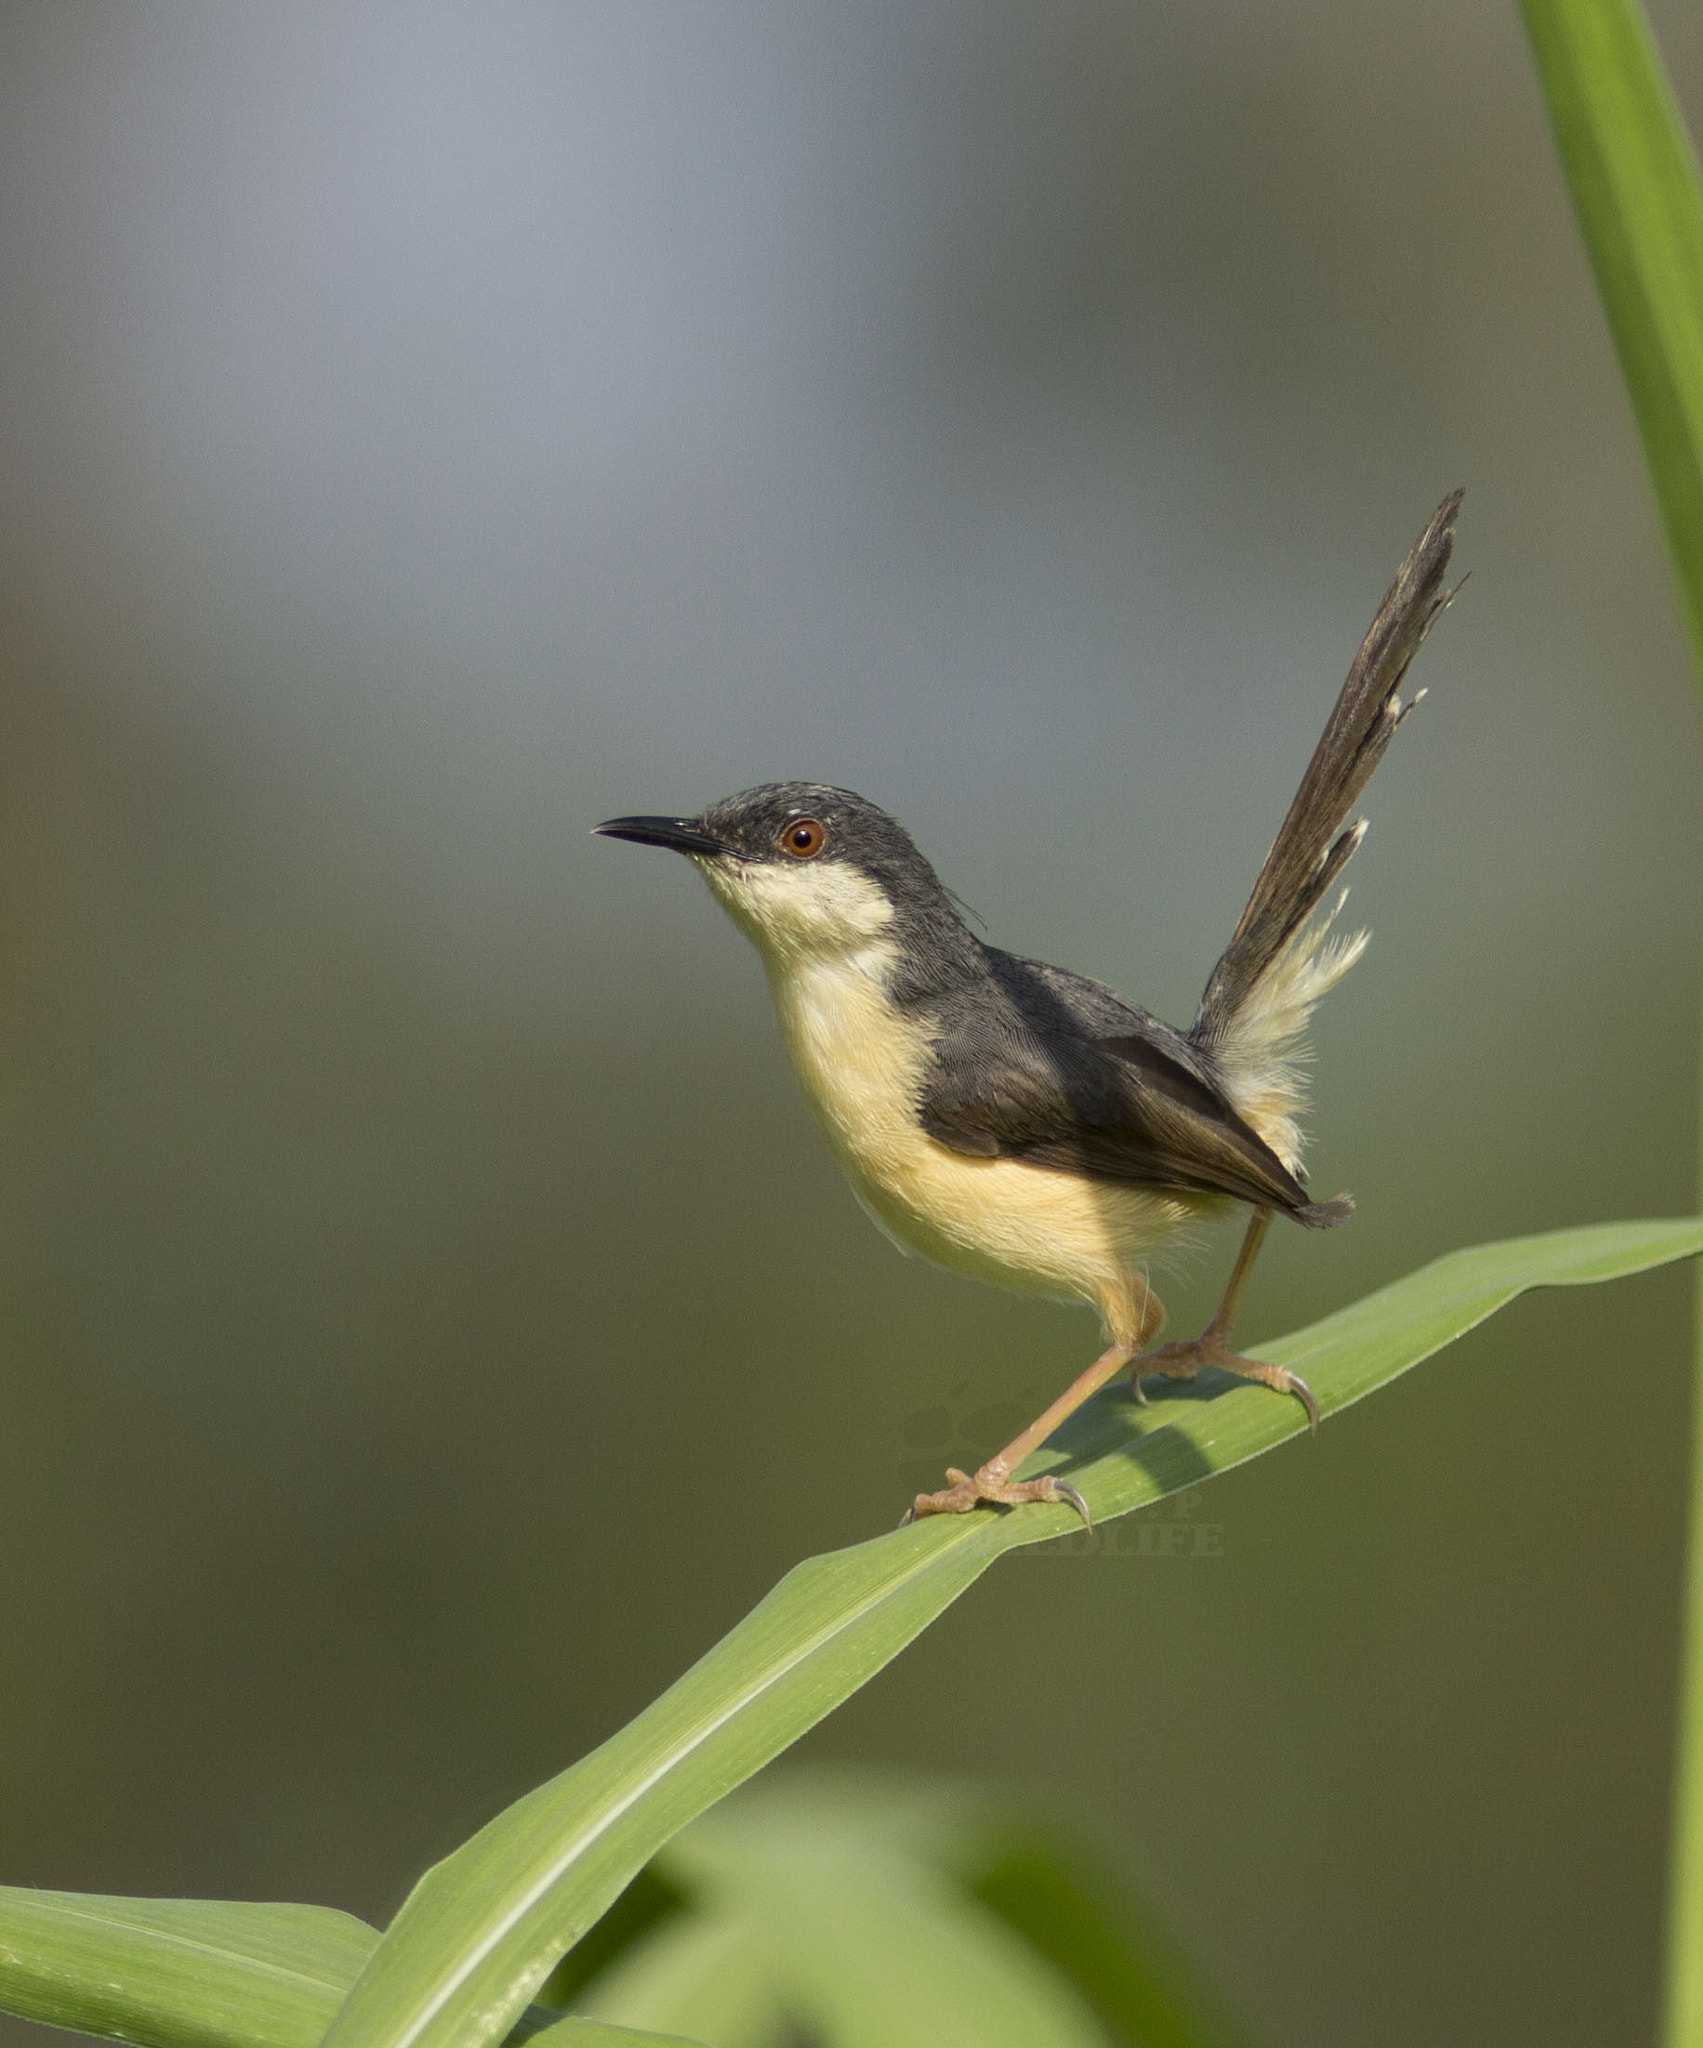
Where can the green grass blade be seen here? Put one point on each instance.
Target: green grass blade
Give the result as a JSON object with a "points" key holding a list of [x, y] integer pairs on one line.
{"points": [[205, 1973], [1635, 186], [178, 1973], [481, 1930], [1639, 198], [1682, 1989]]}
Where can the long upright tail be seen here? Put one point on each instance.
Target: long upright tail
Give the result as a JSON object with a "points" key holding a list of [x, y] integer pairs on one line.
{"points": [[1277, 966]]}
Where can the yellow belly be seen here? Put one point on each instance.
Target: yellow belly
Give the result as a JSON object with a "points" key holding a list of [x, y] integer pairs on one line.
{"points": [[1034, 1228]]}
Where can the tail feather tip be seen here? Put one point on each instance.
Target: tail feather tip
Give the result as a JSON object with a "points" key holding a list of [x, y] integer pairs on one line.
{"points": [[1325, 1215]]}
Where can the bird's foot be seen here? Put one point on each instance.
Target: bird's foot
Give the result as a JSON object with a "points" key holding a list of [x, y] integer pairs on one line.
{"points": [[992, 1488], [1183, 1361]]}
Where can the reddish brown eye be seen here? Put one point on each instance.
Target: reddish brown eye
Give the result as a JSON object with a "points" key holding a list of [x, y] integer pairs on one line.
{"points": [[803, 838]]}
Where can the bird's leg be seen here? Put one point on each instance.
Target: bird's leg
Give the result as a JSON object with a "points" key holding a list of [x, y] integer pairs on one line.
{"points": [[993, 1484], [1182, 1361]]}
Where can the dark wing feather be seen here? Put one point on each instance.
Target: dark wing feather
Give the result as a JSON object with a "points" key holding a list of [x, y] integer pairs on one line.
{"points": [[1060, 1072]]}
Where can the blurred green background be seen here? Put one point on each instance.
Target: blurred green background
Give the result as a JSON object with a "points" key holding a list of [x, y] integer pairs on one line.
{"points": [[431, 1318]]}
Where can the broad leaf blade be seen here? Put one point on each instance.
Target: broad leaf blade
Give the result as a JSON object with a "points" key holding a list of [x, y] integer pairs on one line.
{"points": [[1086, 1925], [575, 2032], [1015, 1858], [204, 1973], [876, 1962], [710, 1974], [482, 1929], [872, 1948], [178, 1973]]}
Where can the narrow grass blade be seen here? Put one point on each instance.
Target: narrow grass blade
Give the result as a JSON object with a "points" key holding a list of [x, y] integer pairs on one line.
{"points": [[1635, 186], [1682, 1987], [482, 1929]]}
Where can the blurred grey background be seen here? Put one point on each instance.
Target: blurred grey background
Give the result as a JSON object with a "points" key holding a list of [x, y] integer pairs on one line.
{"points": [[431, 1319]]}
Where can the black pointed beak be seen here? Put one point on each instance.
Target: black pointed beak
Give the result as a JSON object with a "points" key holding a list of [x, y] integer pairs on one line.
{"points": [[685, 835]]}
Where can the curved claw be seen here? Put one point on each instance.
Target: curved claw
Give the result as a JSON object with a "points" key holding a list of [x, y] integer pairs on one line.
{"points": [[1299, 1387], [1063, 1490]]}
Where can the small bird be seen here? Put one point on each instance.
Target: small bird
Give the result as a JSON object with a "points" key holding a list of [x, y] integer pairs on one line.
{"points": [[1025, 1125]]}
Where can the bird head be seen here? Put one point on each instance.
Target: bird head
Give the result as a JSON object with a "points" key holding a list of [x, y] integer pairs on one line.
{"points": [[804, 870]]}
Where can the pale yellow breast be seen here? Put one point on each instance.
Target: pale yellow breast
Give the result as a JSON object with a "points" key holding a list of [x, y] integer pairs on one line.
{"points": [[861, 1063]]}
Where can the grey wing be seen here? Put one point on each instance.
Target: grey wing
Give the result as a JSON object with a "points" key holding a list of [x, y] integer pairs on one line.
{"points": [[1061, 1072]]}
